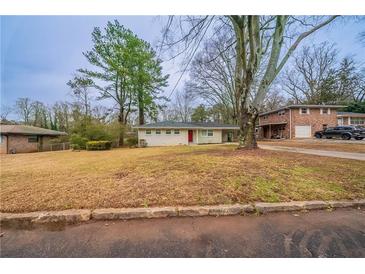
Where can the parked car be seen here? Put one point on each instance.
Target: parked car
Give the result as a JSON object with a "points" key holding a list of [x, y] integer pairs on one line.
{"points": [[343, 132]]}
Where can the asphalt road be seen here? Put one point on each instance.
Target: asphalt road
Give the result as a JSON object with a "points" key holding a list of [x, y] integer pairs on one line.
{"points": [[340, 233]]}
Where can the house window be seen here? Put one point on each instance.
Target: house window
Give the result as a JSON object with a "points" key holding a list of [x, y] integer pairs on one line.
{"points": [[281, 112], [265, 117], [168, 131], [304, 111], [148, 132], [325, 111], [158, 131], [207, 133], [176, 131], [357, 121], [1, 139], [33, 139]]}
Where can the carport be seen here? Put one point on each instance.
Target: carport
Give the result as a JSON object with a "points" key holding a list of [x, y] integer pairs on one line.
{"points": [[274, 131]]}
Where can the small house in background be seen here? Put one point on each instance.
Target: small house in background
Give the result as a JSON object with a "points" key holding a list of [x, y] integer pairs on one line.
{"points": [[177, 133], [350, 119], [297, 121], [23, 139]]}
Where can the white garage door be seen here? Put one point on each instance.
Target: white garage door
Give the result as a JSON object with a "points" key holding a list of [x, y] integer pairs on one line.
{"points": [[303, 131]]}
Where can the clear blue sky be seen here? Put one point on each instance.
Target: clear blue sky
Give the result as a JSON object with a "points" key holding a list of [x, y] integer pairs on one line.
{"points": [[40, 53]]}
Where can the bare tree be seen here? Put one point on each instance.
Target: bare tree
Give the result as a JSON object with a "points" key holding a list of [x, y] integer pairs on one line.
{"points": [[212, 75], [24, 108], [274, 100], [263, 46], [39, 114], [80, 86], [312, 76], [61, 116], [362, 37], [5, 111], [317, 77], [183, 106]]}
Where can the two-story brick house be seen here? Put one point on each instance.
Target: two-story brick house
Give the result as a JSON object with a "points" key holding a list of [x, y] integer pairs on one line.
{"points": [[297, 121]]}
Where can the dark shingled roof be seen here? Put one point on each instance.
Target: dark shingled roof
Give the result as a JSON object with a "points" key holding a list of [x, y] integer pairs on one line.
{"points": [[188, 125], [28, 130]]}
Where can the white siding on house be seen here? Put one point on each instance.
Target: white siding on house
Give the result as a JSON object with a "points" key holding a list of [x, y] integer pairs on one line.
{"points": [[163, 139], [215, 139], [172, 139]]}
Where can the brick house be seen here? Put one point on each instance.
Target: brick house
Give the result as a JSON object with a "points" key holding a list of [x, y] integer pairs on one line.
{"points": [[350, 118], [297, 121], [23, 139]]}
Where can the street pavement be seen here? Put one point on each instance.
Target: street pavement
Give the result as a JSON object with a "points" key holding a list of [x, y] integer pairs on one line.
{"points": [[338, 233]]}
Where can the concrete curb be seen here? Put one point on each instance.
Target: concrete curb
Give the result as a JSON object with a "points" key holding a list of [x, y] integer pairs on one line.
{"points": [[73, 216]]}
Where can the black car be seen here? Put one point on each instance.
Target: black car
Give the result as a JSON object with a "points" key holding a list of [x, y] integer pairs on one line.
{"points": [[343, 132]]}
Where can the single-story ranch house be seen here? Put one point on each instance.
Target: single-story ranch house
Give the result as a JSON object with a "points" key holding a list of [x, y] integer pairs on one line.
{"points": [[23, 139], [177, 133], [302, 121]]}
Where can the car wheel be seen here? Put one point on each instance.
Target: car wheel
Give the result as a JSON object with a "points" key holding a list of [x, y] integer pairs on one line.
{"points": [[359, 138], [328, 137], [346, 137], [319, 136]]}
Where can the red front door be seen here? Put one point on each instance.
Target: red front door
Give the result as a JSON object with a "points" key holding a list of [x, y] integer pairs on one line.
{"points": [[190, 136]]}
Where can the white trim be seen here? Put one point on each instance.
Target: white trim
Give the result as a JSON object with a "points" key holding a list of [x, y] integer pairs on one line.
{"points": [[328, 111], [290, 134], [300, 111]]}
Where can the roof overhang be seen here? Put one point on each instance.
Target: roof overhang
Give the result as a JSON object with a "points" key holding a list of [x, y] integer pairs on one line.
{"points": [[357, 115], [273, 124], [32, 134], [177, 127], [301, 106]]}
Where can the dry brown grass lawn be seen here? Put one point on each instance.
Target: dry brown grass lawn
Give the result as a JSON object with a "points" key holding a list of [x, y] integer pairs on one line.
{"points": [[171, 176], [358, 146]]}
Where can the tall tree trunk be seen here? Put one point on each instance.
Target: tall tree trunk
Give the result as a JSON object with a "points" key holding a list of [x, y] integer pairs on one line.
{"points": [[140, 108], [247, 137], [122, 127]]}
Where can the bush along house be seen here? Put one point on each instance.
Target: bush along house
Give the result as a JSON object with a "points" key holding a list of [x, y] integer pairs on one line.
{"points": [[297, 121], [23, 139]]}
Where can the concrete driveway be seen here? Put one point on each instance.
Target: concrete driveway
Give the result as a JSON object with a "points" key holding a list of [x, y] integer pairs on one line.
{"points": [[327, 153], [339, 233]]}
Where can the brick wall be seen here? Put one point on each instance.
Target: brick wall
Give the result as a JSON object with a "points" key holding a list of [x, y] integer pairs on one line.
{"points": [[20, 144], [314, 119], [3, 144]]}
